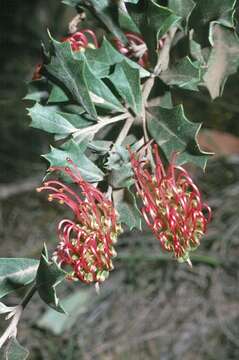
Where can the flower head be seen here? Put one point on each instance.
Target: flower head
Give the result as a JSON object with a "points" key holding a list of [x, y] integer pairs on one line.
{"points": [[135, 49], [172, 205], [81, 40], [86, 243]]}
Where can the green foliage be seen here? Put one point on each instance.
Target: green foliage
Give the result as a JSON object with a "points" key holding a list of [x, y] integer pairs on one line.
{"points": [[172, 130], [49, 275], [58, 157], [127, 82], [82, 92], [16, 273]]}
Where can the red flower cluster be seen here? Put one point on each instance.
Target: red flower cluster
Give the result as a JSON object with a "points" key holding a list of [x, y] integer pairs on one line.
{"points": [[172, 205], [86, 244], [79, 42], [136, 49]]}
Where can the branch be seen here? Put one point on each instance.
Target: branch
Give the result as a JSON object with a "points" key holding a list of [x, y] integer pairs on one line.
{"points": [[101, 124], [15, 314]]}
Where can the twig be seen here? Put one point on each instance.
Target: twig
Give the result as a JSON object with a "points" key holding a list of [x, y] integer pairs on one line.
{"points": [[15, 315], [163, 60], [101, 124], [124, 131]]}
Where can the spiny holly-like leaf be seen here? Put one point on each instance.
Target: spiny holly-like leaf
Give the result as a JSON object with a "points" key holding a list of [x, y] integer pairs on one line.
{"points": [[70, 73], [15, 351], [16, 273], [185, 74], [100, 60], [212, 10], [127, 83], [100, 91], [223, 60], [58, 157], [175, 133], [182, 8], [154, 21], [75, 304], [104, 10], [128, 211], [49, 275], [47, 119]]}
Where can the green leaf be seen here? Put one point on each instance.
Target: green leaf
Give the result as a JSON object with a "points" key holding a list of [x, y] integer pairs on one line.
{"points": [[15, 351], [223, 60], [212, 10], [49, 120], [69, 71], [57, 95], [49, 275], [106, 99], [185, 74], [104, 10], [58, 157], [75, 305], [100, 60], [154, 21], [173, 132], [107, 12], [182, 8], [127, 83], [16, 273], [129, 213]]}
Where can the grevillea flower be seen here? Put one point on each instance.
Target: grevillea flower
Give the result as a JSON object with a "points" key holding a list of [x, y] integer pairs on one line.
{"points": [[86, 243], [79, 42], [172, 205], [135, 49]]}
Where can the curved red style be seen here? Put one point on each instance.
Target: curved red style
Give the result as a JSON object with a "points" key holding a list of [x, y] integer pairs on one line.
{"points": [[172, 205], [86, 243], [135, 49]]}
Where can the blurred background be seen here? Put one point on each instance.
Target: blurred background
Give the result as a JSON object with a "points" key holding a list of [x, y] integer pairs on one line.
{"points": [[150, 308]]}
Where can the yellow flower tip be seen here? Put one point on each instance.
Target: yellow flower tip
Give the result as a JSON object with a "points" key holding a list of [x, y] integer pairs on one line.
{"points": [[39, 189]]}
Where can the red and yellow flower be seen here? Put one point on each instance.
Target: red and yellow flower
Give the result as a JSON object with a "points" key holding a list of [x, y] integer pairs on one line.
{"points": [[86, 243], [172, 205]]}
